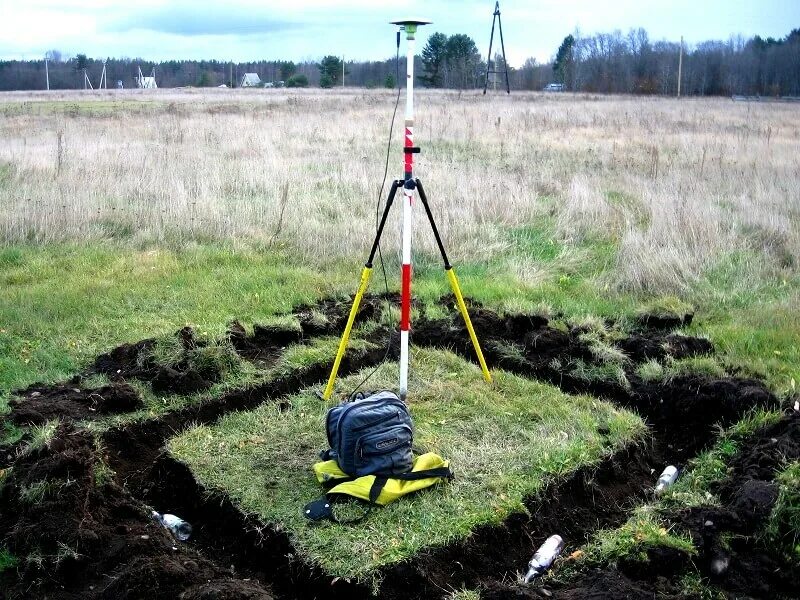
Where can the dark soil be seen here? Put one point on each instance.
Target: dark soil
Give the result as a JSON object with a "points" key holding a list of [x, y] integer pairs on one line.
{"points": [[234, 556], [266, 342], [133, 361], [40, 403], [731, 553], [80, 536]]}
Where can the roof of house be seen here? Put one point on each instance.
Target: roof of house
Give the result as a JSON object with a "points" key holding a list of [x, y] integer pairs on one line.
{"points": [[250, 79]]}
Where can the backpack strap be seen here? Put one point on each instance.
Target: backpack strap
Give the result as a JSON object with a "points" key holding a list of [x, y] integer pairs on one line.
{"points": [[322, 508]]}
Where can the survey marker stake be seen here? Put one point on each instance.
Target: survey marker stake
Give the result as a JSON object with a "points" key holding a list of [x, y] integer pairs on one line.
{"points": [[409, 184]]}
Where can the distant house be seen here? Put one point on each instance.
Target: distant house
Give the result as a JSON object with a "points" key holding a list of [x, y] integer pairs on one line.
{"points": [[146, 83], [250, 80]]}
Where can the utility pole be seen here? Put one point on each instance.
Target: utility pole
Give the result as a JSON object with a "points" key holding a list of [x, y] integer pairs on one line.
{"points": [[46, 72], [342, 70], [495, 71], [680, 67]]}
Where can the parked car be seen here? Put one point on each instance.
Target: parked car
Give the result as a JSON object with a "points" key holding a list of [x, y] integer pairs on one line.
{"points": [[554, 87]]}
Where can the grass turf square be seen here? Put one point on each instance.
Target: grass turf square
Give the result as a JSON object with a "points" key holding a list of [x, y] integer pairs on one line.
{"points": [[504, 440]]}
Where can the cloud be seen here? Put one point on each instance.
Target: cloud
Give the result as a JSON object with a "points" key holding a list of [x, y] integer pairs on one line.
{"points": [[192, 20]]}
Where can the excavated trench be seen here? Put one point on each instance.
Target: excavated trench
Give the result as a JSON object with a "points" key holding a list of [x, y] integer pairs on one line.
{"points": [[230, 548]]}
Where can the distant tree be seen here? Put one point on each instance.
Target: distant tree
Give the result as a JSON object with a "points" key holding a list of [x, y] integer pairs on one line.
{"points": [[330, 70], [565, 58], [297, 81], [81, 62], [462, 59], [287, 69], [434, 60], [53, 56], [390, 81], [205, 80]]}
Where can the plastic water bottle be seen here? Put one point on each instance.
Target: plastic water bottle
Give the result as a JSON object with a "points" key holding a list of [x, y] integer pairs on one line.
{"points": [[668, 477], [544, 557], [177, 526]]}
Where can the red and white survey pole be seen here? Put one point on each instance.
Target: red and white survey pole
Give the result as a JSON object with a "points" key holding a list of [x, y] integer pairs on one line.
{"points": [[410, 27], [410, 185]]}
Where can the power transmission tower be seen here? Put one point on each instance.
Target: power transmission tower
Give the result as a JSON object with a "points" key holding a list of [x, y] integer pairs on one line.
{"points": [[495, 71]]}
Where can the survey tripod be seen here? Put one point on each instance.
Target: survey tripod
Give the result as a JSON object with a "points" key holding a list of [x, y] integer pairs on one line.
{"points": [[409, 185]]}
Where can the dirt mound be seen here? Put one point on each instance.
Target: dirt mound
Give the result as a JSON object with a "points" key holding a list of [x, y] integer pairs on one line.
{"points": [[690, 407], [266, 341], [135, 361], [79, 535], [654, 346], [127, 362], [40, 403]]}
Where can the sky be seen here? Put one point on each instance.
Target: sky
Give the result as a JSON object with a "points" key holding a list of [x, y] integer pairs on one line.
{"points": [[248, 30]]}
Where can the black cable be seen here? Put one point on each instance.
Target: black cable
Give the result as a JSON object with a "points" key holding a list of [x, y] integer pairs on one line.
{"points": [[378, 211]]}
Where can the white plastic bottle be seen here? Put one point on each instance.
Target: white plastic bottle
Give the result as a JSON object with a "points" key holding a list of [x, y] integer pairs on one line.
{"points": [[544, 557], [181, 529], [668, 477]]}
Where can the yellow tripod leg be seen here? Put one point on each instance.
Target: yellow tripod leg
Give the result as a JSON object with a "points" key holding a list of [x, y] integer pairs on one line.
{"points": [[362, 287], [451, 275]]}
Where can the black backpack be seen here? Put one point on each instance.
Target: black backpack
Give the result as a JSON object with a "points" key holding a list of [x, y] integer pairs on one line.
{"points": [[370, 435]]}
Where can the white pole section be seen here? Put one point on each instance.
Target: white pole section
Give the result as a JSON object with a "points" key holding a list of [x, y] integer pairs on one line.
{"points": [[408, 197], [46, 72]]}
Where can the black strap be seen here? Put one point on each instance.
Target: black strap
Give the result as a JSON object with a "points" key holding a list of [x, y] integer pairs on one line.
{"points": [[444, 472], [322, 508]]}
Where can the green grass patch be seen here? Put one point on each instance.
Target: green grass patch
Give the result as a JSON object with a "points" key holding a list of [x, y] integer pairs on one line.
{"points": [[504, 441], [666, 307], [694, 365], [644, 530], [783, 527], [7, 559]]}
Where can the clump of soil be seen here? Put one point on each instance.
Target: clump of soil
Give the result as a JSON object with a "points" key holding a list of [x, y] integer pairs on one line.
{"points": [[136, 361], [266, 342], [40, 403], [77, 534]]}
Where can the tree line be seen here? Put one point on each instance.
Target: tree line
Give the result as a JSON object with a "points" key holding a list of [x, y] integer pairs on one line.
{"points": [[604, 62]]}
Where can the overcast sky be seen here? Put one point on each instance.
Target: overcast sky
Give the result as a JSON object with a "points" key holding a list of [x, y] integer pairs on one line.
{"points": [[244, 30]]}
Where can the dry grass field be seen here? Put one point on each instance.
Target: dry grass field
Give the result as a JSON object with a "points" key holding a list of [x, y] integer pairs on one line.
{"points": [[676, 185]]}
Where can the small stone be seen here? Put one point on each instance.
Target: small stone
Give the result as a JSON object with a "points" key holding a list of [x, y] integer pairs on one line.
{"points": [[35, 394], [719, 565], [708, 523], [544, 592], [145, 537]]}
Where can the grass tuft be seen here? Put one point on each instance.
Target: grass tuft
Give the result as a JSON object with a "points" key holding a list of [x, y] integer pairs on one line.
{"points": [[707, 366], [650, 371], [783, 527], [41, 435], [7, 559]]}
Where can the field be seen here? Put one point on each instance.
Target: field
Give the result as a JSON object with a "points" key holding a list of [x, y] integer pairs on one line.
{"points": [[176, 266]]}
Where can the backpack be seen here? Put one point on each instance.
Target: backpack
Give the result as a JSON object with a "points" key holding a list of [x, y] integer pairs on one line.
{"points": [[369, 435], [370, 457]]}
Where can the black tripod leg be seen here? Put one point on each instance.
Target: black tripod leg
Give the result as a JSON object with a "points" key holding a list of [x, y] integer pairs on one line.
{"points": [[451, 276], [428, 212], [389, 199], [362, 287]]}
